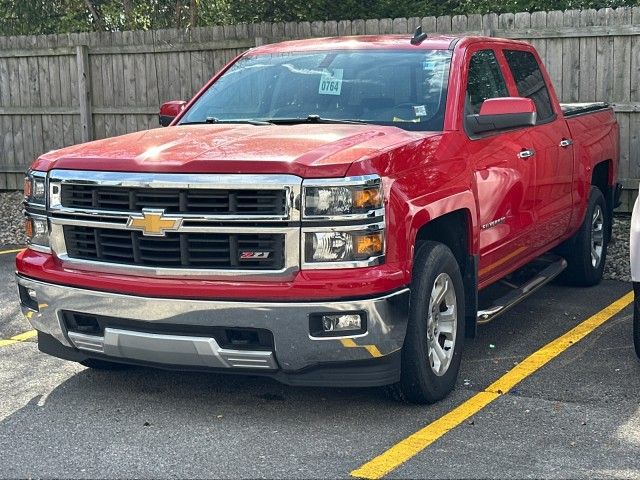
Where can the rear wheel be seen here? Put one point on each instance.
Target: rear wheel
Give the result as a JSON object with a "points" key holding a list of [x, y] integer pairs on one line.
{"points": [[586, 252], [435, 332]]}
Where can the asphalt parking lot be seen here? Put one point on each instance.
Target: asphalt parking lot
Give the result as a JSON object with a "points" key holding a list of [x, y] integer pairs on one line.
{"points": [[576, 416]]}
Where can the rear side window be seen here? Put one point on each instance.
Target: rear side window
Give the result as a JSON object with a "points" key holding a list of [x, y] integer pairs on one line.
{"points": [[529, 81], [485, 81]]}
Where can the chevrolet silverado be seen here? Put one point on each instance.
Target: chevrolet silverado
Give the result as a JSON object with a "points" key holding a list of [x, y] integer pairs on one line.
{"points": [[337, 212]]}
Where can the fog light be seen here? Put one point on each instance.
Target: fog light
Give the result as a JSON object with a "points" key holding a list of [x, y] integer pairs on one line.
{"points": [[32, 294], [337, 325], [331, 323]]}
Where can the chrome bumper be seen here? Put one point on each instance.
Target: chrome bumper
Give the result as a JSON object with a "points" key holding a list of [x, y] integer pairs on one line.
{"points": [[295, 349]]}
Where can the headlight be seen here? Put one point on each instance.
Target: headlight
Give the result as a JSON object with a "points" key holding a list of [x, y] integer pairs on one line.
{"points": [[357, 198], [343, 246], [358, 240], [37, 230], [35, 188]]}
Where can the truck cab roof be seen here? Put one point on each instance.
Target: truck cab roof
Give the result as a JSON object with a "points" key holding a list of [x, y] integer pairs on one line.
{"points": [[377, 42]]}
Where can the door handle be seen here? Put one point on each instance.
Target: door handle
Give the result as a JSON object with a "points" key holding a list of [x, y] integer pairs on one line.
{"points": [[526, 154], [566, 142]]}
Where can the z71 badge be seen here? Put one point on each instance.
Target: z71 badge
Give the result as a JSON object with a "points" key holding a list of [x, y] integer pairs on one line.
{"points": [[253, 255]]}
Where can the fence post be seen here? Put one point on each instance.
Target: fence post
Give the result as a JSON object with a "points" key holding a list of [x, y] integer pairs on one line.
{"points": [[84, 92]]}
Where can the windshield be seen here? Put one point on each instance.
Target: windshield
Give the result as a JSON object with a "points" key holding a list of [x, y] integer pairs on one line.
{"points": [[392, 87]]}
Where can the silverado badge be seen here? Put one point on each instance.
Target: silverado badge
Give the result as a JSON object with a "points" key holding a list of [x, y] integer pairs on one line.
{"points": [[153, 222]]}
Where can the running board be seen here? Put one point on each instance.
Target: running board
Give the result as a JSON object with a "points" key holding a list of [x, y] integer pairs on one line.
{"points": [[502, 304]]}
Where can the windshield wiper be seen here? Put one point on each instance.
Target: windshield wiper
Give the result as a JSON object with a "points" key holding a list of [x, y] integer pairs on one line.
{"points": [[313, 119], [279, 121], [211, 120]]}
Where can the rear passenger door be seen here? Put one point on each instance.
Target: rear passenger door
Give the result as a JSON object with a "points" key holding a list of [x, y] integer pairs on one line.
{"points": [[504, 181], [553, 157]]}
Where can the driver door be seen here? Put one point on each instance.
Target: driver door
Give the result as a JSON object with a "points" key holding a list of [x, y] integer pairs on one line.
{"points": [[504, 177]]}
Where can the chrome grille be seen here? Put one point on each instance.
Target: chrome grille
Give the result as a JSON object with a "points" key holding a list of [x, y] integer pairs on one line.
{"points": [[227, 225], [181, 201], [196, 250]]}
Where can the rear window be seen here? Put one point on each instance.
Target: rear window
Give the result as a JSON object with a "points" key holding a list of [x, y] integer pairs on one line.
{"points": [[530, 82]]}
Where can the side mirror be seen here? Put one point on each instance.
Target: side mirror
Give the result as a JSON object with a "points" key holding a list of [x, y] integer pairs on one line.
{"points": [[170, 110], [502, 114]]}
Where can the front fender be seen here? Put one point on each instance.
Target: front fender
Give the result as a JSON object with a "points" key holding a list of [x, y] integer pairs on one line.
{"points": [[426, 209]]}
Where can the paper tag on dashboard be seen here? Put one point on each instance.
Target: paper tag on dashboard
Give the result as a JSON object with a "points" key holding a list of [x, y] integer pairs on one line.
{"points": [[331, 82], [420, 110]]}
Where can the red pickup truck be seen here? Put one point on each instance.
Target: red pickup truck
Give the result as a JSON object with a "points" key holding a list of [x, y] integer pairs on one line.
{"points": [[339, 212]]}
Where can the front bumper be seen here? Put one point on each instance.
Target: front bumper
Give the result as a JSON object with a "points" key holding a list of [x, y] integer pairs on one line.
{"points": [[294, 354]]}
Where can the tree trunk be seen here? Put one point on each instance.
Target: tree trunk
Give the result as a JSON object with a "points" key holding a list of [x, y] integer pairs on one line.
{"points": [[178, 13], [128, 13], [94, 14], [193, 13]]}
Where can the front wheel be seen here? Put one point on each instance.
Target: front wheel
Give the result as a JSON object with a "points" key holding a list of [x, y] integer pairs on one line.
{"points": [[587, 251], [435, 331]]}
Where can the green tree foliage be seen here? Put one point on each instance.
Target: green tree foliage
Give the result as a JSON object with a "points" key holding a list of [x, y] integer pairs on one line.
{"points": [[29, 17]]}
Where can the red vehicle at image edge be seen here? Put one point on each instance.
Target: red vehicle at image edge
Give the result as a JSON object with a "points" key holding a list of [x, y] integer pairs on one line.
{"points": [[336, 212]]}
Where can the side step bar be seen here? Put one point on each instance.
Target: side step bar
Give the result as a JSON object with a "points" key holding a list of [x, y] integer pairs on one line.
{"points": [[555, 266]]}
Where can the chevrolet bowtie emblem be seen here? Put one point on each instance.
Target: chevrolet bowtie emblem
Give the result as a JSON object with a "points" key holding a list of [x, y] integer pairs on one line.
{"points": [[153, 222]]}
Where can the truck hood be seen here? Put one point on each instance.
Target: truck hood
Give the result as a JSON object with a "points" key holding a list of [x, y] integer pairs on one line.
{"points": [[306, 150]]}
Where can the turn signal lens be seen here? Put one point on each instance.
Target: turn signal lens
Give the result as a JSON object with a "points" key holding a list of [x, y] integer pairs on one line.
{"points": [[28, 228], [369, 198], [28, 190], [369, 245]]}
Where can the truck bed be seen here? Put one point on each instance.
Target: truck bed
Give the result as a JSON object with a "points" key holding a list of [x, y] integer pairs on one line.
{"points": [[573, 109]]}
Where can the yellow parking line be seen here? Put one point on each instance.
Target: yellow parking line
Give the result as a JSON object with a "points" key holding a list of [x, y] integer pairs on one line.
{"points": [[15, 250], [415, 443], [22, 337], [372, 349]]}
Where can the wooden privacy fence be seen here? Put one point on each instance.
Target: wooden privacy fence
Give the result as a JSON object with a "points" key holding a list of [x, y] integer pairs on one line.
{"points": [[57, 90]]}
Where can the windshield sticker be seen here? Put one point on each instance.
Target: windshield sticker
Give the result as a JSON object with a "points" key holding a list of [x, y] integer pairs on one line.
{"points": [[420, 110], [402, 120], [331, 82]]}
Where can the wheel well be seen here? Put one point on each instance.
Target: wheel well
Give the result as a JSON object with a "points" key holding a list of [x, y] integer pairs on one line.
{"points": [[600, 179], [452, 230]]}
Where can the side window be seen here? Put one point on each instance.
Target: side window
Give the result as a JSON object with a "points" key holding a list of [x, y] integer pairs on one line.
{"points": [[485, 81], [529, 81]]}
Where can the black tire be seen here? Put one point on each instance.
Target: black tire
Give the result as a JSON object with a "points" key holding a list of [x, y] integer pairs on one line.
{"points": [[636, 317], [97, 364], [419, 383], [581, 270]]}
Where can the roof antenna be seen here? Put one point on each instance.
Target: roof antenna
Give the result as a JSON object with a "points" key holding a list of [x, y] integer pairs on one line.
{"points": [[418, 37]]}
